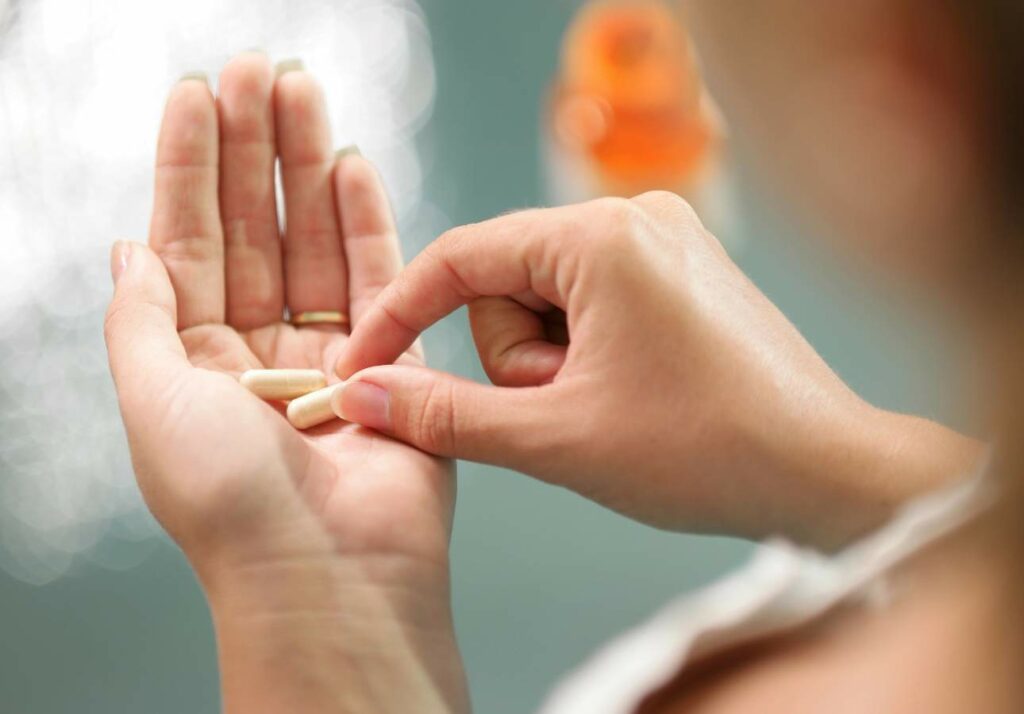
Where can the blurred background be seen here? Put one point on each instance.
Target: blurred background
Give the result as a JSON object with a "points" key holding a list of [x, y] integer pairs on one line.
{"points": [[469, 111]]}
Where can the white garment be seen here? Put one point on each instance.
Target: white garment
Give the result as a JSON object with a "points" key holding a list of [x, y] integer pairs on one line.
{"points": [[781, 588]]}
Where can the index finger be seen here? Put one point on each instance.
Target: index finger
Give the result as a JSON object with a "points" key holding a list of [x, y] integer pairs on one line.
{"points": [[502, 256], [185, 230]]}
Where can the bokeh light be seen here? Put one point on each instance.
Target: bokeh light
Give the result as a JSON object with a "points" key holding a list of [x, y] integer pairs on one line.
{"points": [[82, 85]]}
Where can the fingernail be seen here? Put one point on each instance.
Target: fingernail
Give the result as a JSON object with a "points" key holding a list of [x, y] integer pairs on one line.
{"points": [[350, 150], [119, 254], [195, 77], [363, 403], [288, 65]]}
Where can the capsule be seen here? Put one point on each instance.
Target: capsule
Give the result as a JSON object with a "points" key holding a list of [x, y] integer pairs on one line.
{"points": [[313, 408], [283, 383]]}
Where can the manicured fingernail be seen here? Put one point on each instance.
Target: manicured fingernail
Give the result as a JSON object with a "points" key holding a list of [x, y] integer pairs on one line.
{"points": [[363, 403], [288, 65], [195, 77], [350, 150], [119, 254]]}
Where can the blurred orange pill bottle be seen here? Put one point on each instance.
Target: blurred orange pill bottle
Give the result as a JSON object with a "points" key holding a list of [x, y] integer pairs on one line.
{"points": [[628, 111]]}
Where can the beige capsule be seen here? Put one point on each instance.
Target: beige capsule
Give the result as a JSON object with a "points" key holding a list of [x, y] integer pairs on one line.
{"points": [[313, 408], [283, 383]]}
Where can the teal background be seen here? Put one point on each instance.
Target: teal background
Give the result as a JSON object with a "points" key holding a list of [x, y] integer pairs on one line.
{"points": [[541, 577]]}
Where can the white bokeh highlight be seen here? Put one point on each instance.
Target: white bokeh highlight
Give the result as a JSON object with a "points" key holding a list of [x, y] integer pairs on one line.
{"points": [[82, 86]]}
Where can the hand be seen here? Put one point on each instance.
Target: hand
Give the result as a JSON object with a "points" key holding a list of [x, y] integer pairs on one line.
{"points": [[638, 366], [324, 553]]}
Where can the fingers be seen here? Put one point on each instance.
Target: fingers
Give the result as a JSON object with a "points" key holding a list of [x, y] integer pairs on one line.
{"points": [[140, 327], [185, 230], [449, 416], [503, 256], [314, 264], [254, 278], [513, 343], [370, 239]]}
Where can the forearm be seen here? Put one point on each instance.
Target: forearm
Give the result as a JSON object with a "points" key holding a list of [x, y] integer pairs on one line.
{"points": [[348, 637], [863, 466]]}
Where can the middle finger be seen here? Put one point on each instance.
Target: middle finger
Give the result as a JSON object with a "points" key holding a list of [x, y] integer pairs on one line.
{"points": [[255, 283], [314, 263]]}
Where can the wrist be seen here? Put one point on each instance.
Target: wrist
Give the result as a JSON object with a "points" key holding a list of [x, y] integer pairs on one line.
{"points": [[863, 463], [913, 455], [335, 634]]}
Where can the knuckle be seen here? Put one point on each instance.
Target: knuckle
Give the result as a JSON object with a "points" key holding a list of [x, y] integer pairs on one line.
{"points": [[434, 427], [617, 210], [449, 244], [668, 204], [200, 246], [578, 226], [437, 252], [117, 314], [447, 258], [660, 197], [619, 225]]}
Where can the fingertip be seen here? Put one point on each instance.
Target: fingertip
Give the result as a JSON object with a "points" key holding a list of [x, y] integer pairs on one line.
{"points": [[298, 94], [350, 150], [363, 205], [142, 284], [347, 363], [355, 176], [293, 64], [195, 76], [247, 74], [189, 131], [360, 352], [303, 132], [119, 253], [341, 369], [363, 403], [191, 93], [142, 265]]}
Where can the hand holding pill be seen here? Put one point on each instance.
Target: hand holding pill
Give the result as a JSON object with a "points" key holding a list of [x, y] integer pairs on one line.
{"points": [[634, 362], [273, 519]]}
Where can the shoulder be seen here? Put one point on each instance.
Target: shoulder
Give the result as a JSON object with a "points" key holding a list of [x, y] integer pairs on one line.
{"points": [[940, 647]]}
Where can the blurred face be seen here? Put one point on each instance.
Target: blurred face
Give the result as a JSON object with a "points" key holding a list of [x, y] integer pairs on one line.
{"points": [[865, 116]]}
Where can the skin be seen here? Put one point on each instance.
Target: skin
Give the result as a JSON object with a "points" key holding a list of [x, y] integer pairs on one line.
{"points": [[946, 643], [631, 361], [323, 553], [756, 436], [920, 209]]}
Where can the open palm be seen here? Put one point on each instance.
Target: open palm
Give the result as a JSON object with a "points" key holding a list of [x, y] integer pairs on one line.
{"points": [[223, 471]]}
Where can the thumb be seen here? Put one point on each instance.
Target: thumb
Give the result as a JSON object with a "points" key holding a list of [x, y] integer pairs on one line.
{"points": [[450, 416], [140, 325]]}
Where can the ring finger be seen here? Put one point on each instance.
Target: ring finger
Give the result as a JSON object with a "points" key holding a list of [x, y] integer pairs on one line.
{"points": [[314, 261], [369, 235]]}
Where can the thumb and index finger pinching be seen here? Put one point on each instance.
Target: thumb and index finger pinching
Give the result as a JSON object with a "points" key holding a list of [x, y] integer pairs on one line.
{"points": [[438, 412], [445, 415], [503, 256]]}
